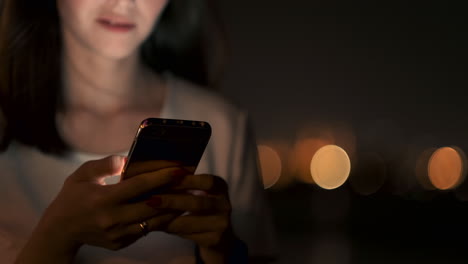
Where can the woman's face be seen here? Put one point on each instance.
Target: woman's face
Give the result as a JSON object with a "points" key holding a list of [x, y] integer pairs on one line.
{"points": [[112, 28]]}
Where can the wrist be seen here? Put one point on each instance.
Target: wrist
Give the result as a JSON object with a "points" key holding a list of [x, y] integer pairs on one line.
{"points": [[56, 241], [47, 245]]}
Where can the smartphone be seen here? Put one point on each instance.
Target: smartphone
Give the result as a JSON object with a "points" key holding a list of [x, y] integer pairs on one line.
{"points": [[183, 141]]}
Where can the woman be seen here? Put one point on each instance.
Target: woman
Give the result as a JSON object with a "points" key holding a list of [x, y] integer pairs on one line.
{"points": [[76, 79]]}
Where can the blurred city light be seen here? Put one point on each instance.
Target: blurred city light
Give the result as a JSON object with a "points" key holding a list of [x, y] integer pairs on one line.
{"points": [[284, 150], [330, 167], [302, 155], [369, 173], [312, 137], [270, 165], [446, 168]]}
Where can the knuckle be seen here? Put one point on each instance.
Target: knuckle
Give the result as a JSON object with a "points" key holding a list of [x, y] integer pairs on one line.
{"points": [[205, 181], [81, 170], [113, 161], [204, 203], [87, 165], [104, 222], [211, 183], [69, 180], [95, 199]]}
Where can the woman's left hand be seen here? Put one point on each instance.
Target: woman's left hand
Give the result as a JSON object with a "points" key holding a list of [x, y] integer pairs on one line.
{"points": [[207, 217]]}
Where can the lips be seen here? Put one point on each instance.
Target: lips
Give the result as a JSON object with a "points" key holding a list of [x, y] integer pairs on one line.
{"points": [[116, 24]]}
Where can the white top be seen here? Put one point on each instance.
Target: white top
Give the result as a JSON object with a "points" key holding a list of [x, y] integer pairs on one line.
{"points": [[30, 179]]}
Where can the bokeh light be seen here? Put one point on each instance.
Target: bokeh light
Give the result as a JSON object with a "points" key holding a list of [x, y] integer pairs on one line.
{"points": [[330, 167], [369, 173], [302, 155], [270, 165], [446, 168], [313, 136], [284, 150]]}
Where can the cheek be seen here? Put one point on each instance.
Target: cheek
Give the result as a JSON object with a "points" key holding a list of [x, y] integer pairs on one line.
{"points": [[68, 8], [153, 10], [74, 11]]}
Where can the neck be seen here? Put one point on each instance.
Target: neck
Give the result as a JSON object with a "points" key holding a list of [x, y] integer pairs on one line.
{"points": [[103, 85]]}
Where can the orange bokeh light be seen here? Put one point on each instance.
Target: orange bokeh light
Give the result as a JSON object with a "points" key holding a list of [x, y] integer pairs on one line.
{"points": [[303, 152], [446, 168], [270, 165]]}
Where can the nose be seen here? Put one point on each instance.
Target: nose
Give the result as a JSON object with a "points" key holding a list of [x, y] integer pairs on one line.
{"points": [[123, 6]]}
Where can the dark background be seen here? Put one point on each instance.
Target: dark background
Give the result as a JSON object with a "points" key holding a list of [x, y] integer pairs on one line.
{"points": [[394, 72]]}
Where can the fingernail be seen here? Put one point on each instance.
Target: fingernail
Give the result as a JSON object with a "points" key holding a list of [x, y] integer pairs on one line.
{"points": [[154, 202]]}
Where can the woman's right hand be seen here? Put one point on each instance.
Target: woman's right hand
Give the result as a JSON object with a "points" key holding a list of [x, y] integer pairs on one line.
{"points": [[86, 211]]}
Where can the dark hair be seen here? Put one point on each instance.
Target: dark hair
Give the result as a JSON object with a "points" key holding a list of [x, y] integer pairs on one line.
{"points": [[188, 41]]}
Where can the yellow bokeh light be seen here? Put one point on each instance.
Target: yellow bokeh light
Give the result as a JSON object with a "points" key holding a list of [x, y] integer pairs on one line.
{"points": [[446, 168], [313, 136], [303, 152], [334, 133], [270, 165], [330, 167]]}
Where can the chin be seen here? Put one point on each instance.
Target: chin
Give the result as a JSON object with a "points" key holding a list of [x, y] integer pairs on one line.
{"points": [[118, 53]]}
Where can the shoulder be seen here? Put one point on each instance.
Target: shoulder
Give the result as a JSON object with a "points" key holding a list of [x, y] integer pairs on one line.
{"points": [[191, 101], [199, 97]]}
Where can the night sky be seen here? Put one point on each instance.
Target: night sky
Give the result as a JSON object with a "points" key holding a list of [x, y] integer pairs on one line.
{"points": [[394, 73], [300, 60]]}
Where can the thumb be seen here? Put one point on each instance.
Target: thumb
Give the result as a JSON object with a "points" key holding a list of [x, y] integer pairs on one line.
{"points": [[97, 170]]}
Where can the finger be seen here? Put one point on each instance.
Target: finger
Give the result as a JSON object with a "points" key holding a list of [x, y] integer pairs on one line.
{"points": [[204, 182], [139, 167], [190, 203], [99, 169], [136, 212], [145, 183], [192, 224], [156, 223]]}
